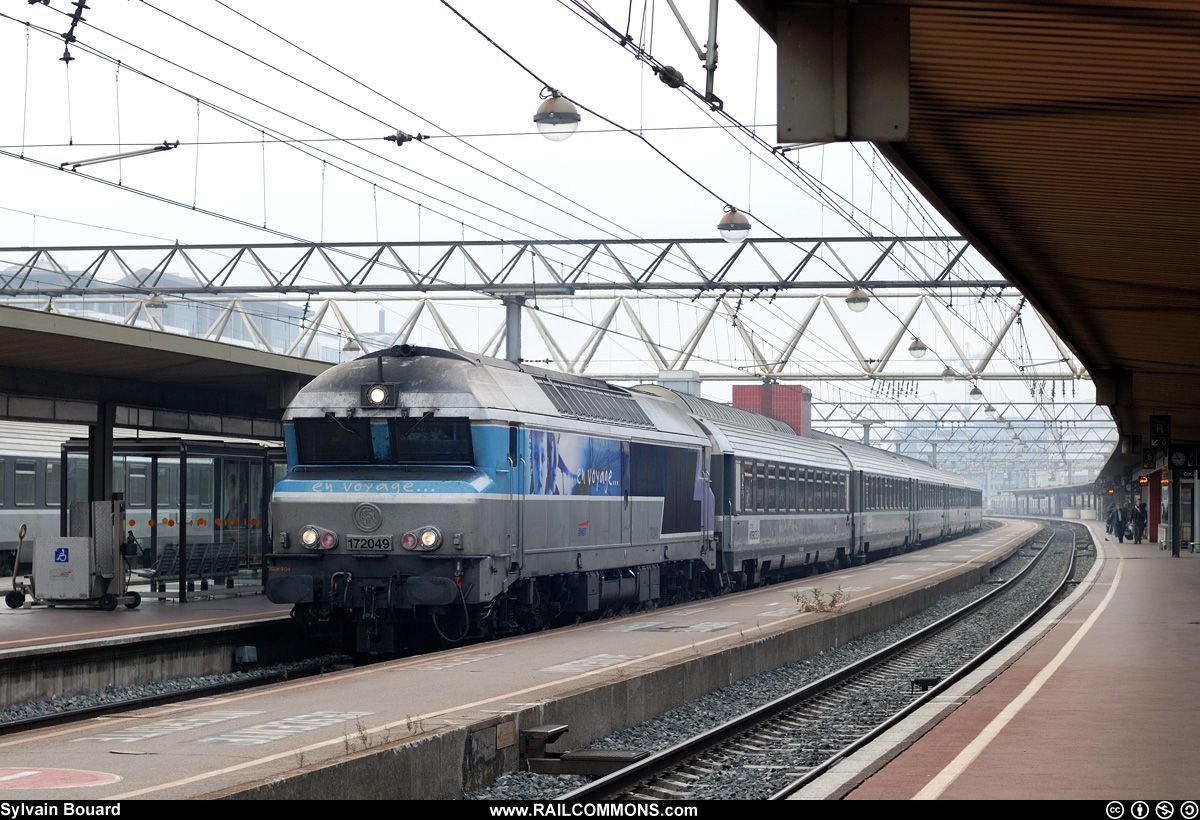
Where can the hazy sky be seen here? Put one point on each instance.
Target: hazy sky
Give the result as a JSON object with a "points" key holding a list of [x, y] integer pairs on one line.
{"points": [[418, 67]]}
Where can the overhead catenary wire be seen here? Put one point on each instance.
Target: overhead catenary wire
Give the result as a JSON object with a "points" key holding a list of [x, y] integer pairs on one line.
{"points": [[697, 99], [239, 118], [296, 144], [627, 130], [160, 198]]}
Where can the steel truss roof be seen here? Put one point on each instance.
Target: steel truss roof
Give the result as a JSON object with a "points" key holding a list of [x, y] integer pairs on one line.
{"points": [[767, 264], [763, 283]]}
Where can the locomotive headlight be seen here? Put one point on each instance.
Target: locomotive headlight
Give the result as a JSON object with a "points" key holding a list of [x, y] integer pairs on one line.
{"points": [[378, 395], [425, 539], [316, 538]]}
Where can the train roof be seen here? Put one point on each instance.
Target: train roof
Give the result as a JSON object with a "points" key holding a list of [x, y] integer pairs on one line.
{"points": [[460, 383], [874, 459], [742, 433]]}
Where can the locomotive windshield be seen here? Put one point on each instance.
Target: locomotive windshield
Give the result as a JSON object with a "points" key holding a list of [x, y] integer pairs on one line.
{"points": [[418, 440], [334, 441], [427, 440]]}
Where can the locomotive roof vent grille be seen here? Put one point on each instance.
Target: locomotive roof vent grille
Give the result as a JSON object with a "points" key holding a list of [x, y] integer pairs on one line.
{"points": [[597, 405], [723, 412]]}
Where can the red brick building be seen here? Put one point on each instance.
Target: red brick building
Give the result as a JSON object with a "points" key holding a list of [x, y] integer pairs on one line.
{"points": [[790, 403]]}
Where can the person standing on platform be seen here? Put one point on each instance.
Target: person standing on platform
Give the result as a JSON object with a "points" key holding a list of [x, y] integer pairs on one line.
{"points": [[1140, 516], [1117, 520]]}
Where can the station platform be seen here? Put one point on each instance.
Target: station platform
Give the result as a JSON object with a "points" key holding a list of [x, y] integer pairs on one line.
{"points": [[34, 626], [66, 650], [449, 722], [1098, 705]]}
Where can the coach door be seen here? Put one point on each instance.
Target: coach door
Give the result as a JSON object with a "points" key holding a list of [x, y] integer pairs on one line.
{"points": [[514, 523], [626, 501]]}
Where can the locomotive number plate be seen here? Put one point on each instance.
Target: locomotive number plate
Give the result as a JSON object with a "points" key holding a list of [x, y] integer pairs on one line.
{"points": [[369, 543]]}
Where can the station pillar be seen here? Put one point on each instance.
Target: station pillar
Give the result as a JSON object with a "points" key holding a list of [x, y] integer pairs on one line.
{"points": [[100, 452]]}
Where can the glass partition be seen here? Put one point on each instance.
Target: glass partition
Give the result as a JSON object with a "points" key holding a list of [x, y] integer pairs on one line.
{"points": [[196, 512]]}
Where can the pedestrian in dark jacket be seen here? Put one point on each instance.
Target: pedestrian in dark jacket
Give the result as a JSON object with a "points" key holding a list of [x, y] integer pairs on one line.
{"points": [[1117, 520], [1140, 517]]}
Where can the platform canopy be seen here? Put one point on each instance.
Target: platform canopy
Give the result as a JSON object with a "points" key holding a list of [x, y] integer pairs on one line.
{"points": [[57, 368], [1062, 138]]}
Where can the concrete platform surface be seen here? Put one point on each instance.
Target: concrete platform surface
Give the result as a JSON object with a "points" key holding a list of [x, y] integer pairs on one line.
{"points": [[1102, 705], [436, 725]]}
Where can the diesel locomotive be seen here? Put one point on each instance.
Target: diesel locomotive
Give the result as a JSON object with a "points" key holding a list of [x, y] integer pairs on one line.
{"points": [[440, 491]]}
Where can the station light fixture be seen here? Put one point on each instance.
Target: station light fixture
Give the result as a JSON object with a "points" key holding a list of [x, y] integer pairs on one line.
{"points": [[976, 394], [948, 375], [991, 411], [734, 226], [556, 117], [917, 349], [156, 302], [857, 300]]}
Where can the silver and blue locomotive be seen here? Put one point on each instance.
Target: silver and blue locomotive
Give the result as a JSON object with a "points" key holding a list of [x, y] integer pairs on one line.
{"points": [[478, 497]]}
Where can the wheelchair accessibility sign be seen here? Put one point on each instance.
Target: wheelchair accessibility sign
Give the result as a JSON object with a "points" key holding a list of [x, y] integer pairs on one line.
{"points": [[62, 555]]}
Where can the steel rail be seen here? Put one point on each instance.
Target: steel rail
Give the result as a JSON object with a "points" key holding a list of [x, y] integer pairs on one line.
{"points": [[630, 777], [970, 666]]}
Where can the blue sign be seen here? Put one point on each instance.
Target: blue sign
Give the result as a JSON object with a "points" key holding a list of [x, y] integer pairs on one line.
{"points": [[62, 555]]}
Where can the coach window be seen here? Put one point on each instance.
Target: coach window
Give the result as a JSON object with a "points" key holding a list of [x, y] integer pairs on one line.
{"points": [[760, 486], [53, 486], [772, 489], [26, 480], [137, 483], [1, 482], [793, 487]]}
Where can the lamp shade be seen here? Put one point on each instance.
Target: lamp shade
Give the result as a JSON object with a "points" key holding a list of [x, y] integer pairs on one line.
{"points": [[857, 300], [734, 226], [556, 118]]}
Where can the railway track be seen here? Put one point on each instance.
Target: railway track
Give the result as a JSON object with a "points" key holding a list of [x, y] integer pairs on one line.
{"points": [[776, 749]]}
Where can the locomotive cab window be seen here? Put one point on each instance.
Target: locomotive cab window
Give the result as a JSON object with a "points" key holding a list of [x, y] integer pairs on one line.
{"points": [[427, 440], [333, 441]]}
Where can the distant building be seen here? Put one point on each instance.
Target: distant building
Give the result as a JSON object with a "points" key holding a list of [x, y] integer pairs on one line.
{"points": [[789, 403]]}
